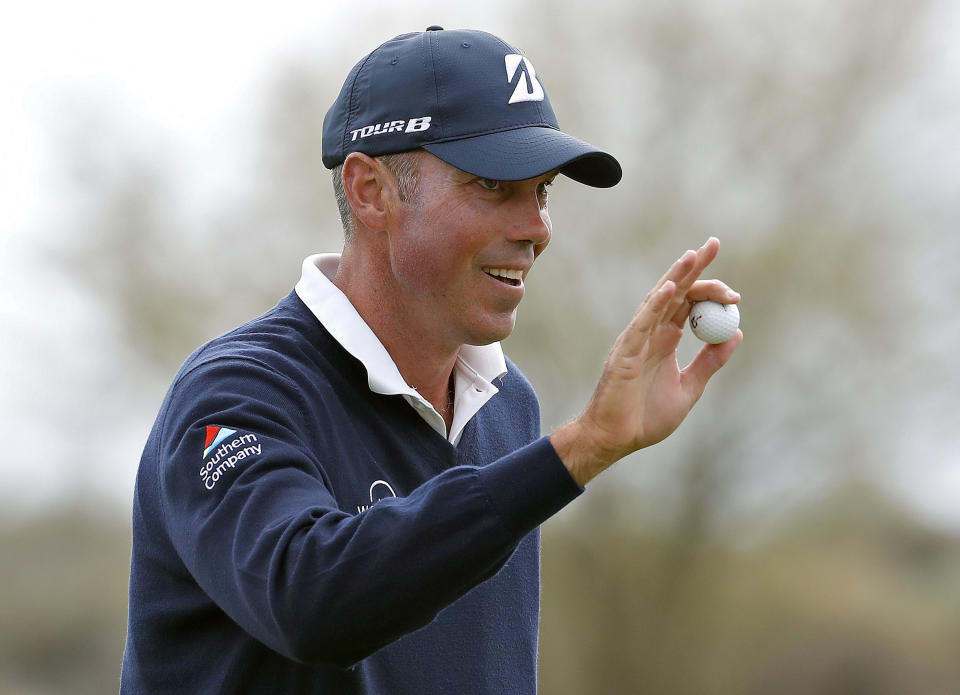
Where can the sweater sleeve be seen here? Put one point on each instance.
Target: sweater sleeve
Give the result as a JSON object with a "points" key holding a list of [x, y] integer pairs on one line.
{"points": [[256, 524]]}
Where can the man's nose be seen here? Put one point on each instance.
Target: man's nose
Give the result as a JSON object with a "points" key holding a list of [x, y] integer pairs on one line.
{"points": [[531, 222]]}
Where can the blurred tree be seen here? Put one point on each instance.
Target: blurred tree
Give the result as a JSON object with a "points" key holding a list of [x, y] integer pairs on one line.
{"points": [[175, 274], [852, 598], [63, 585]]}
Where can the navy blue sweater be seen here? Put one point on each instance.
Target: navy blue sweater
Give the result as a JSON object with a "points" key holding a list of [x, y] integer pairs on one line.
{"points": [[294, 532]]}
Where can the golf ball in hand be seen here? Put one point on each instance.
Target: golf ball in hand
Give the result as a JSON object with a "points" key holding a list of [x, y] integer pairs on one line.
{"points": [[713, 322]]}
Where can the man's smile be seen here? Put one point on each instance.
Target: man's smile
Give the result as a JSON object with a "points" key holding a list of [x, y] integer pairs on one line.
{"points": [[509, 277]]}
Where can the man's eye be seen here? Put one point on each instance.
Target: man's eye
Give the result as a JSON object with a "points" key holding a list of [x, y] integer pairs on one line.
{"points": [[489, 184]]}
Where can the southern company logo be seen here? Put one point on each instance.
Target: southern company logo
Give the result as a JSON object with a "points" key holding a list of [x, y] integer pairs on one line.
{"points": [[215, 435], [225, 453]]}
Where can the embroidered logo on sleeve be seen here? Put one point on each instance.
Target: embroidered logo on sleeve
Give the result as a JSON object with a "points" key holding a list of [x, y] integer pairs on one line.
{"points": [[223, 450]]}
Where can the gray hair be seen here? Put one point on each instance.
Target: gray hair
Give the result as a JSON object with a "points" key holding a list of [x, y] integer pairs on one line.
{"points": [[403, 165]]}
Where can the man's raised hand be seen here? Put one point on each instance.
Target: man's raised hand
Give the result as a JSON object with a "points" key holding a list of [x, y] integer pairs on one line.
{"points": [[643, 395]]}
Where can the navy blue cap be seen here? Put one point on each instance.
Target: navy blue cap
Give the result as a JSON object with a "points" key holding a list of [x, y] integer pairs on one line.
{"points": [[465, 96]]}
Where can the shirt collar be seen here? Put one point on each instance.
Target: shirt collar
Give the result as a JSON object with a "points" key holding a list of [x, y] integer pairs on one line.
{"points": [[477, 365]]}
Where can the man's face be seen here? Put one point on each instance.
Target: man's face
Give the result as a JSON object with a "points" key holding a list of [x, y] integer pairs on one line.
{"points": [[450, 250]]}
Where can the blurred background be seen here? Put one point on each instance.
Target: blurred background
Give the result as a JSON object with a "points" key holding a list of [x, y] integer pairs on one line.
{"points": [[160, 182]]}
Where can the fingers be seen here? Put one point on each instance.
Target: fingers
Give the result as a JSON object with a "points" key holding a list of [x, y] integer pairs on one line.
{"points": [[701, 258], [680, 268], [714, 290], [705, 256], [678, 282], [686, 269], [651, 314], [701, 290]]}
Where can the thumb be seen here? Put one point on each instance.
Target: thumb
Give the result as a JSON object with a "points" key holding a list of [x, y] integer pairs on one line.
{"points": [[707, 363]]}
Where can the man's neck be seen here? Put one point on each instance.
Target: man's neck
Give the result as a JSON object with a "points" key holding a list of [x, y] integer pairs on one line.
{"points": [[424, 363]]}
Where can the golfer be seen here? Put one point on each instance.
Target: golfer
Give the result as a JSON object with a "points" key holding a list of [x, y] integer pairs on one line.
{"points": [[343, 495]]}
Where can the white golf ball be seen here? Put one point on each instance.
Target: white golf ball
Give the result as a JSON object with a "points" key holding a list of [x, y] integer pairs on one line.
{"points": [[713, 322]]}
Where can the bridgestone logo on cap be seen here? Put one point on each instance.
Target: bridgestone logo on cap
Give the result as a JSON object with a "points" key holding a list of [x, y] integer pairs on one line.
{"points": [[414, 125]]}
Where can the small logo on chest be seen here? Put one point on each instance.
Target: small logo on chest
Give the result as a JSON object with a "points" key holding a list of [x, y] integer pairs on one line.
{"points": [[379, 490]]}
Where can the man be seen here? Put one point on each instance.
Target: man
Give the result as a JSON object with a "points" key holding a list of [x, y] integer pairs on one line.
{"points": [[343, 495]]}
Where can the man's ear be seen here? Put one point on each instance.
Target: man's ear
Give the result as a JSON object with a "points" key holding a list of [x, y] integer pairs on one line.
{"points": [[366, 186]]}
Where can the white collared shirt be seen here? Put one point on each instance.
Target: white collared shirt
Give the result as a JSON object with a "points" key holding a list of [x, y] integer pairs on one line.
{"points": [[476, 367]]}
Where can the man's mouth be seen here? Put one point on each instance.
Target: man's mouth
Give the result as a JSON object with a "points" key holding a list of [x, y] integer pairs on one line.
{"points": [[508, 277]]}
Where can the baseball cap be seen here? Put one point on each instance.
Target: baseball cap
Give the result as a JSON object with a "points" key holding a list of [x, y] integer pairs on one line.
{"points": [[467, 97]]}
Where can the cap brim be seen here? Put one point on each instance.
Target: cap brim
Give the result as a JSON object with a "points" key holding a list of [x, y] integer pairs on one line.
{"points": [[525, 153]]}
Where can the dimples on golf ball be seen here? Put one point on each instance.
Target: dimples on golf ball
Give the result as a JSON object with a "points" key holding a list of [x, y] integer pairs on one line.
{"points": [[713, 322]]}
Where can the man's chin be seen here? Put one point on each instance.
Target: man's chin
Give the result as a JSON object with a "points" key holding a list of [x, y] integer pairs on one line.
{"points": [[494, 331]]}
